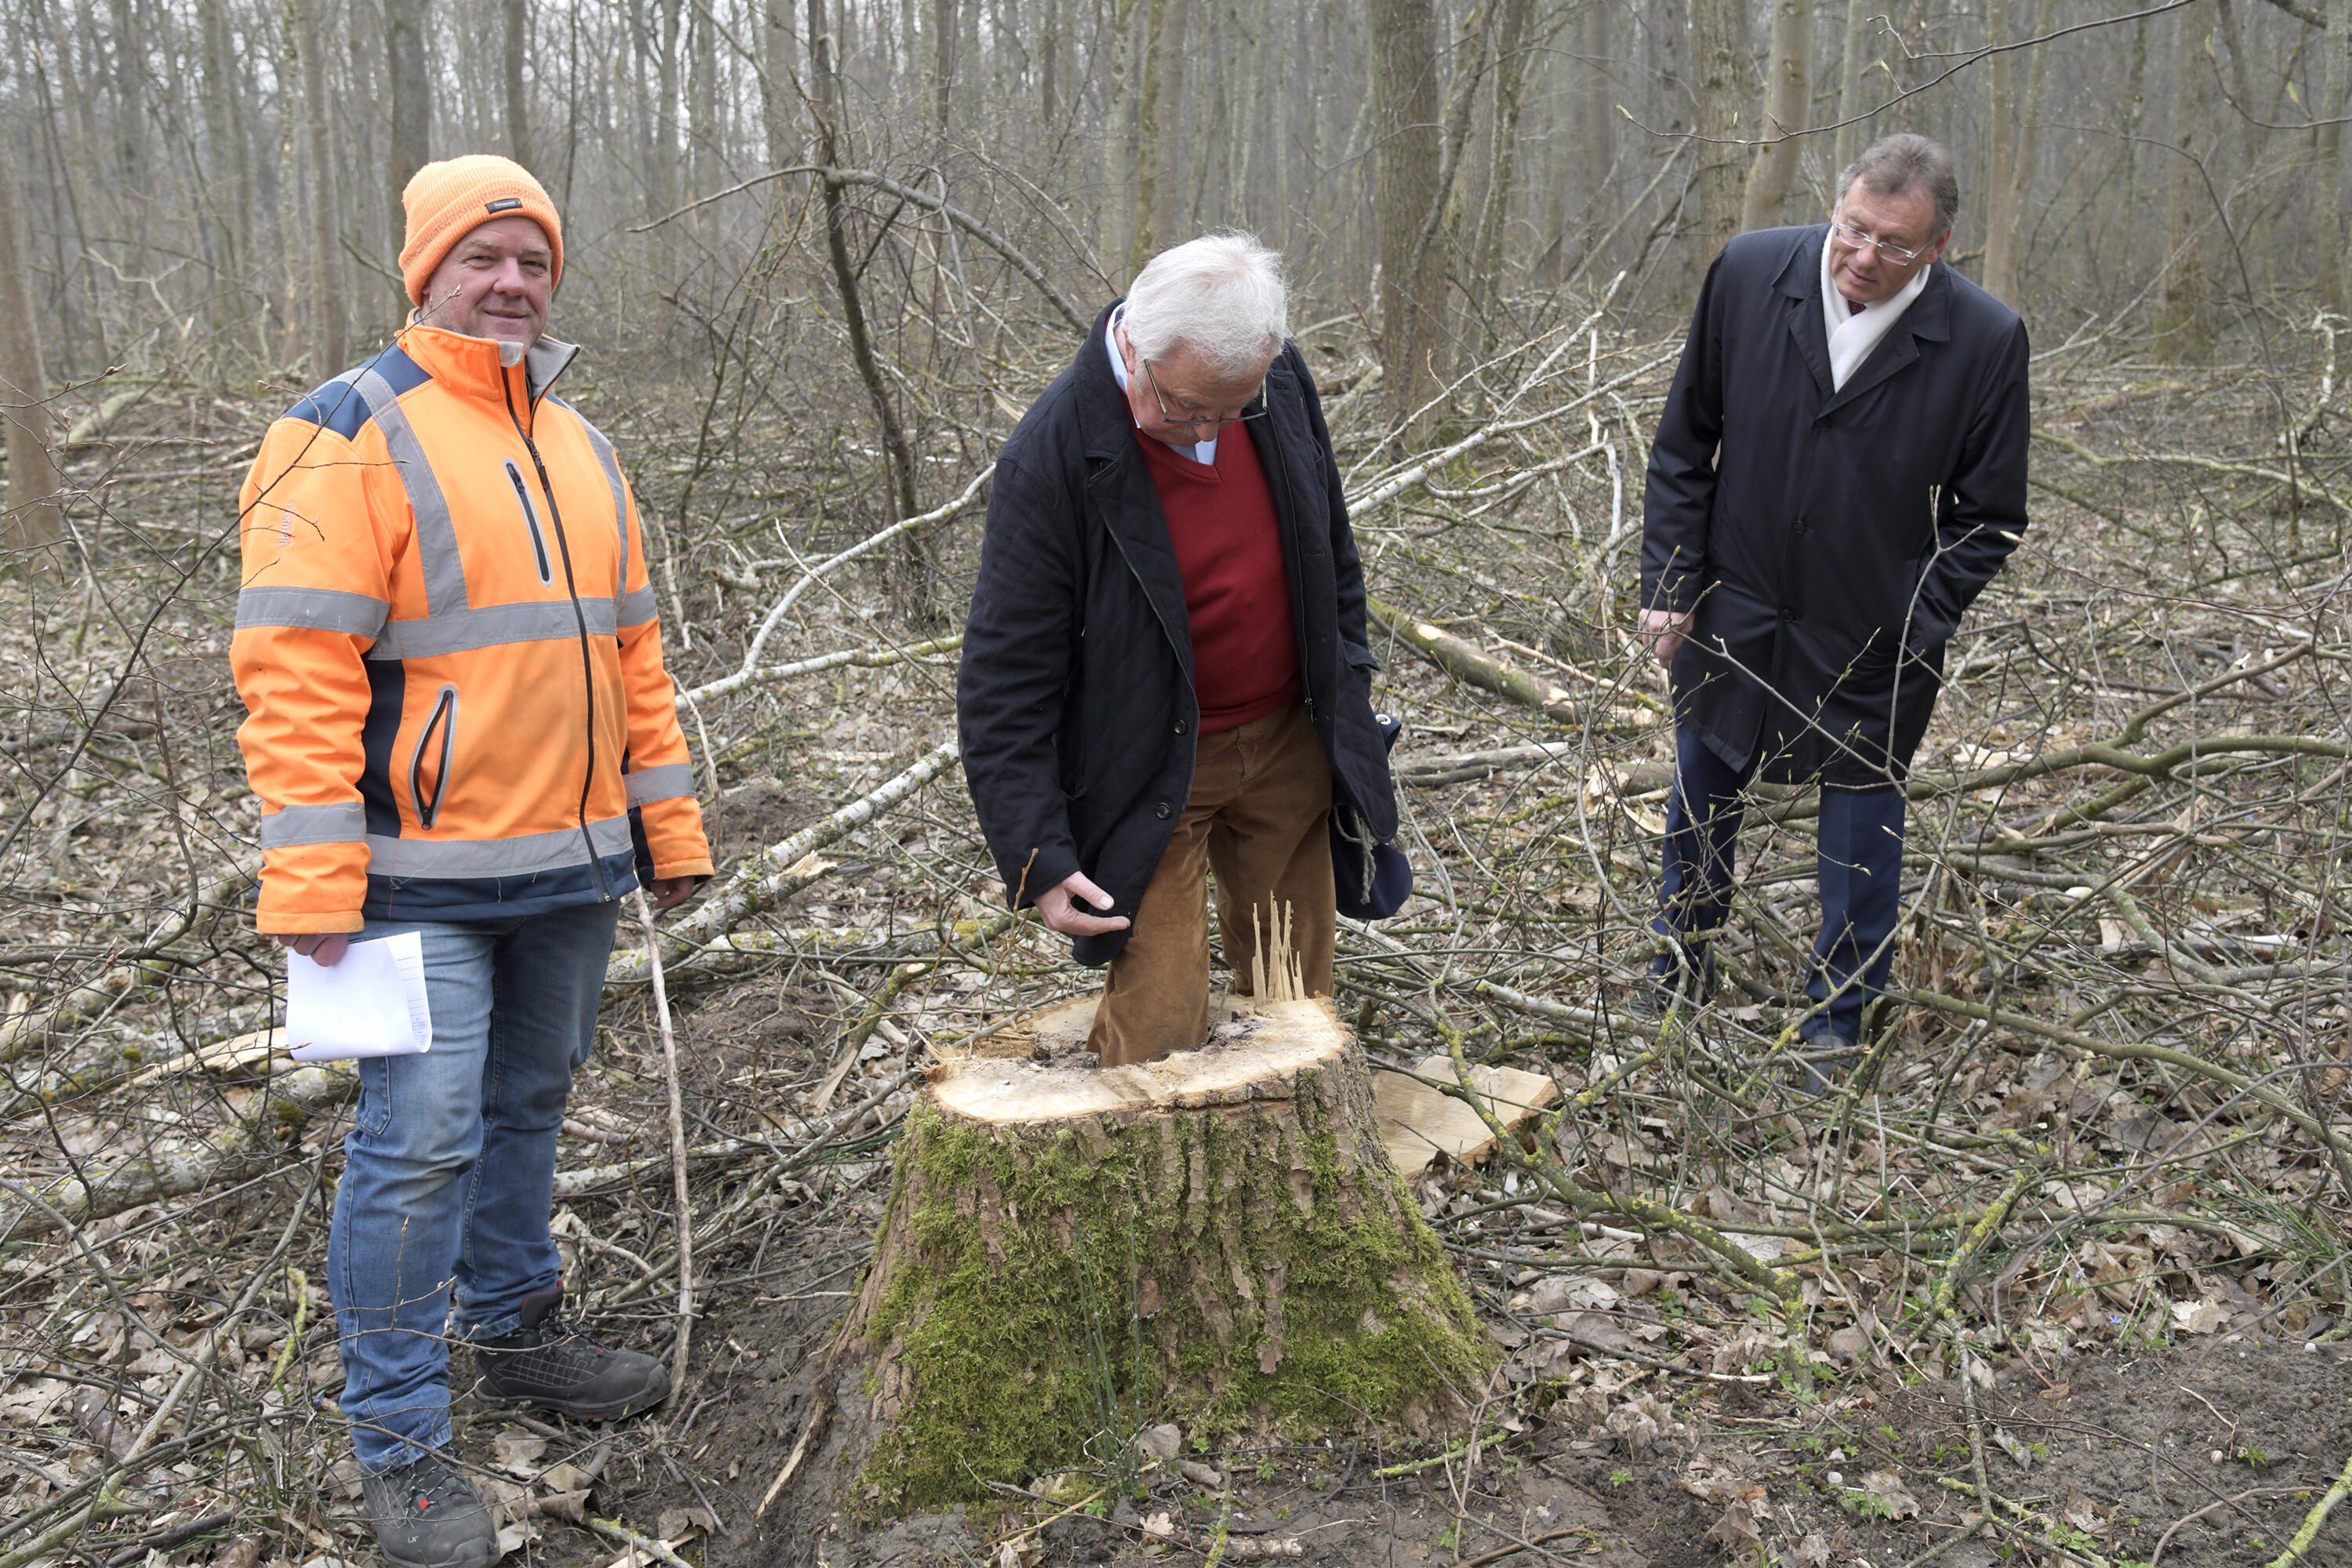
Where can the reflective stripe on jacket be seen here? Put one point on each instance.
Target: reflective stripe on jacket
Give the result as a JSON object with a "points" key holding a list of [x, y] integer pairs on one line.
{"points": [[446, 644]]}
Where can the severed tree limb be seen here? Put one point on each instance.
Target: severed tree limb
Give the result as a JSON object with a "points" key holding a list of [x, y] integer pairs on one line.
{"points": [[2299, 1549], [777, 873], [245, 1145], [2126, 1050], [870, 543], [1468, 663], [860, 659]]}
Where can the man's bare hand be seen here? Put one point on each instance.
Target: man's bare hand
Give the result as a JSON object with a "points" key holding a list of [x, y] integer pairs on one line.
{"points": [[671, 891], [324, 948], [1662, 631], [1059, 908]]}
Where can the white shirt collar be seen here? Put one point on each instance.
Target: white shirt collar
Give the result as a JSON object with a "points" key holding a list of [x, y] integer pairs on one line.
{"points": [[1853, 334], [1200, 451]]}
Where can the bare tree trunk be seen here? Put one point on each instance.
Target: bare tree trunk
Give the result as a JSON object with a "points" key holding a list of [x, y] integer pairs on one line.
{"points": [[1785, 112], [1406, 135], [2000, 218], [2184, 311], [1502, 135], [35, 521], [1852, 138], [898, 457], [1719, 82], [404, 25], [2327, 208], [779, 118], [1116, 214], [517, 95], [221, 190], [943, 41], [1158, 132], [2011, 174], [326, 266]]}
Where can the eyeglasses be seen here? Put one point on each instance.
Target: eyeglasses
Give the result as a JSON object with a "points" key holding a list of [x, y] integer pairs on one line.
{"points": [[1215, 421], [1861, 239]]}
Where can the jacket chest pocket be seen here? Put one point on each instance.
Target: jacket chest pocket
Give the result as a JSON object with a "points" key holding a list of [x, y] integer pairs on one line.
{"points": [[429, 763], [540, 556]]}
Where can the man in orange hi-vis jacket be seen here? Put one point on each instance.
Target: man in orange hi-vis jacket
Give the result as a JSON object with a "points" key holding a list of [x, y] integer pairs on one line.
{"points": [[460, 726]]}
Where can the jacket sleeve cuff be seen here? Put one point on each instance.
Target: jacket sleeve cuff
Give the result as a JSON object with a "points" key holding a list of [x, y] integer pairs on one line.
{"points": [[1050, 868], [665, 869], [291, 923]]}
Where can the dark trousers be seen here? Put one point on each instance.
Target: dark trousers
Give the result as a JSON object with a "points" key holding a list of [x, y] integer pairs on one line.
{"points": [[1860, 854]]}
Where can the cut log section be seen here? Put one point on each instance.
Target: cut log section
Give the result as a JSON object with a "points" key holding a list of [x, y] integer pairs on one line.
{"points": [[1419, 1123], [1071, 1254]]}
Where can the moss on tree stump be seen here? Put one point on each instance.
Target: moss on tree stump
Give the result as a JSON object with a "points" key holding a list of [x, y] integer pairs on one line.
{"points": [[1217, 1239]]}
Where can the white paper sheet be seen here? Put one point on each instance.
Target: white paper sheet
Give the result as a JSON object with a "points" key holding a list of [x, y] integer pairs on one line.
{"points": [[369, 1003]]}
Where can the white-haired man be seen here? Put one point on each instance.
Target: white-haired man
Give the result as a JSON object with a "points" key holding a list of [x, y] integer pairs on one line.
{"points": [[1165, 669]]}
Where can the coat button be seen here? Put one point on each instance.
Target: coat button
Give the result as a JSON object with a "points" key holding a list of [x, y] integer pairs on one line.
{"points": [[1788, 614], [1180, 726], [1161, 808], [1804, 528]]}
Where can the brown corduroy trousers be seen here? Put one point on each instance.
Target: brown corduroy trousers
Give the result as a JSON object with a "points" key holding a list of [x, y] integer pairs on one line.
{"points": [[1260, 802]]}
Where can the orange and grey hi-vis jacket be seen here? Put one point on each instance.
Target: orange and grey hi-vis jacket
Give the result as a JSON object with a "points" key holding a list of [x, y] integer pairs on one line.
{"points": [[445, 640]]}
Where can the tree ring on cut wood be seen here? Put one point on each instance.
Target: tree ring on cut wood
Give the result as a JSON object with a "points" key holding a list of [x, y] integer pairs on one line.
{"points": [[1071, 1254]]}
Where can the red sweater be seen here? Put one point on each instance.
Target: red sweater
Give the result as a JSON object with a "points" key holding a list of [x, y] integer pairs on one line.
{"points": [[1236, 588]]}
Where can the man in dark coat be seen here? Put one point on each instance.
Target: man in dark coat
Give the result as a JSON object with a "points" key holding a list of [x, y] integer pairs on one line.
{"points": [[1839, 471], [1165, 668]]}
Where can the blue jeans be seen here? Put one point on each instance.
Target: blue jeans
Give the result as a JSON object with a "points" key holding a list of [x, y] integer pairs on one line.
{"points": [[1859, 855], [441, 1218]]}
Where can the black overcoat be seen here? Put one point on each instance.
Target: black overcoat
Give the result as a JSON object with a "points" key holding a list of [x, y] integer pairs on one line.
{"points": [[1828, 542], [1075, 699]]}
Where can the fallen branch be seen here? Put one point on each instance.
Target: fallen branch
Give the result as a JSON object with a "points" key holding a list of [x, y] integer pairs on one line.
{"points": [[861, 659], [777, 872], [865, 546], [250, 1142], [2298, 1549]]}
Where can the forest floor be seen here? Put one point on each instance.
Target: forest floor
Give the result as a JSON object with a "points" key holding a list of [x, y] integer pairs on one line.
{"points": [[2094, 1184]]}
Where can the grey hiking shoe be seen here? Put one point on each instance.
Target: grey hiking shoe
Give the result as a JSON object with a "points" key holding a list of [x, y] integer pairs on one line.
{"points": [[427, 1515], [550, 1364]]}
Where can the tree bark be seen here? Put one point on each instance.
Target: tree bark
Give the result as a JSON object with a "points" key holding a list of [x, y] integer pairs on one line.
{"points": [[1218, 1239], [411, 145], [779, 116], [2000, 220], [1852, 138], [943, 42], [1786, 112], [35, 522], [2327, 209], [2016, 140], [1503, 136], [1160, 132], [1719, 84], [327, 341], [1116, 217], [518, 94], [1405, 113], [898, 457], [2184, 312]]}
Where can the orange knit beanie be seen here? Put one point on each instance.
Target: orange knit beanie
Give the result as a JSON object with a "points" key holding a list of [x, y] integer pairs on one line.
{"points": [[449, 200]]}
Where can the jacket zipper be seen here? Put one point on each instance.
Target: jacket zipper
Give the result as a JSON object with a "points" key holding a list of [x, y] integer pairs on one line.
{"points": [[531, 521], [580, 619]]}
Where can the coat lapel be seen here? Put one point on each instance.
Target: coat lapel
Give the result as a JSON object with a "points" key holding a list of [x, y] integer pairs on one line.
{"points": [[1119, 492], [1799, 285], [1929, 318]]}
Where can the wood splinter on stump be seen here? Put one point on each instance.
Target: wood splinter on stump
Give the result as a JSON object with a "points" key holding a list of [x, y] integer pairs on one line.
{"points": [[1072, 1253]]}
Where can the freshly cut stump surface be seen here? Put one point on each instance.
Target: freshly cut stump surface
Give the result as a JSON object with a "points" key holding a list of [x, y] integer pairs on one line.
{"points": [[1072, 1253]]}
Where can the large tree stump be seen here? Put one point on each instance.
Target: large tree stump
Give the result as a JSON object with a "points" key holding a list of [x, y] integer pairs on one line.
{"points": [[1071, 1253]]}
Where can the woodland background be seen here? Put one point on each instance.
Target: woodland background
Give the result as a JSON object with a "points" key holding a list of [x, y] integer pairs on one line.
{"points": [[822, 256]]}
